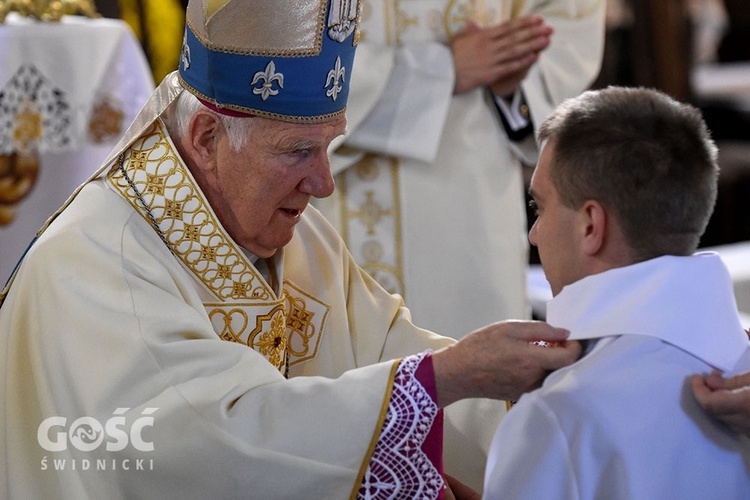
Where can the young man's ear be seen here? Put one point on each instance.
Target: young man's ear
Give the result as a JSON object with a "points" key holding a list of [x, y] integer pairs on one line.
{"points": [[203, 133], [594, 220]]}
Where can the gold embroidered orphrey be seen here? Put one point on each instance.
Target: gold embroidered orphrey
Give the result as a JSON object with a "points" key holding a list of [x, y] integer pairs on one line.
{"points": [[286, 330], [370, 198], [371, 215]]}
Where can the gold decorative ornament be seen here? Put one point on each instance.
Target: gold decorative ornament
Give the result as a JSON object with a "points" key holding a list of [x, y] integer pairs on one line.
{"points": [[19, 169], [18, 174], [106, 122], [48, 10]]}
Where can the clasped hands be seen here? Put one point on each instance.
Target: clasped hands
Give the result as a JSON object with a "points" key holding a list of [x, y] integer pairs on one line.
{"points": [[498, 57]]}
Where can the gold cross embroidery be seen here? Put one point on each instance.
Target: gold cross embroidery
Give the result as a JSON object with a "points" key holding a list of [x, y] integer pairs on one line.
{"points": [[370, 213]]}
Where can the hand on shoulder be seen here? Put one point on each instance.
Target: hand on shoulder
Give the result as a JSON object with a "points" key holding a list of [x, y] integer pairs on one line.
{"points": [[500, 361], [726, 399]]}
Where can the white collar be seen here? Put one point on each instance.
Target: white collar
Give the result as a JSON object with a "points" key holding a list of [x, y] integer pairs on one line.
{"points": [[685, 301]]}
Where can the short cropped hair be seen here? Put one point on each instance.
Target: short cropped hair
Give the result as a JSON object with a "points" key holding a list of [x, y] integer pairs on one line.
{"points": [[646, 157], [181, 112]]}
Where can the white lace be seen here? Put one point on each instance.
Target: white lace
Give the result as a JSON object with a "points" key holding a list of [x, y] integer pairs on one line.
{"points": [[399, 468]]}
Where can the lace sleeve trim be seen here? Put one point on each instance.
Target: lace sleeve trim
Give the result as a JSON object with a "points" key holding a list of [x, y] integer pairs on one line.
{"points": [[404, 463]]}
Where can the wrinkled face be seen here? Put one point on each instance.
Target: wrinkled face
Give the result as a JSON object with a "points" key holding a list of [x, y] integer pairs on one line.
{"points": [[554, 232], [260, 192]]}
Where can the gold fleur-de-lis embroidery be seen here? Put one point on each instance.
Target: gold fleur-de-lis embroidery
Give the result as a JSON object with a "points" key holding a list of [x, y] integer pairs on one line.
{"points": [[335, 77], [267, 77]]}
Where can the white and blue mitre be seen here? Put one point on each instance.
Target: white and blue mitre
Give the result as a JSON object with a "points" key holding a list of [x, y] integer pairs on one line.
{"points": [[283, 60], [278, 59]]}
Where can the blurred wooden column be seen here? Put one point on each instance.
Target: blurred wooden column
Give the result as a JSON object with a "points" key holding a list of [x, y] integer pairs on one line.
{"points": [[108, 8], [662, 48]]}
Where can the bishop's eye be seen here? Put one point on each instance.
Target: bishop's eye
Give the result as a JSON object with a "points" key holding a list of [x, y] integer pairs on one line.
{"points": [[301, 153]]}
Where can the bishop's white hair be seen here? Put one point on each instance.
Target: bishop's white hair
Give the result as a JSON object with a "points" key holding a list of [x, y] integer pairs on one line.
{"points": [[238, 128]]}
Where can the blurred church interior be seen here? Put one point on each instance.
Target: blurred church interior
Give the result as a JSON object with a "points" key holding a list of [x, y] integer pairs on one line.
{"points": [[698, 51]]}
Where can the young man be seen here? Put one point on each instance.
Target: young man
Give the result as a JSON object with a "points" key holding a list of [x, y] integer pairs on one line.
{"points": [[187, 327], [624, 187], [445, 98]]}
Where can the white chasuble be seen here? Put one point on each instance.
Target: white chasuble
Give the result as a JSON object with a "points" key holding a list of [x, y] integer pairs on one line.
{"points": [[117, 319]]}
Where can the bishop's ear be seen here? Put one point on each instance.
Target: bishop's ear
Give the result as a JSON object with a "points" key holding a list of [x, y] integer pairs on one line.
{"points": [[203, 134]]}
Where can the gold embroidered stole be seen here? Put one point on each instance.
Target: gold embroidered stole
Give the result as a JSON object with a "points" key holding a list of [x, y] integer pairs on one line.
{"points": [[243, 307], [371, 219]]}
